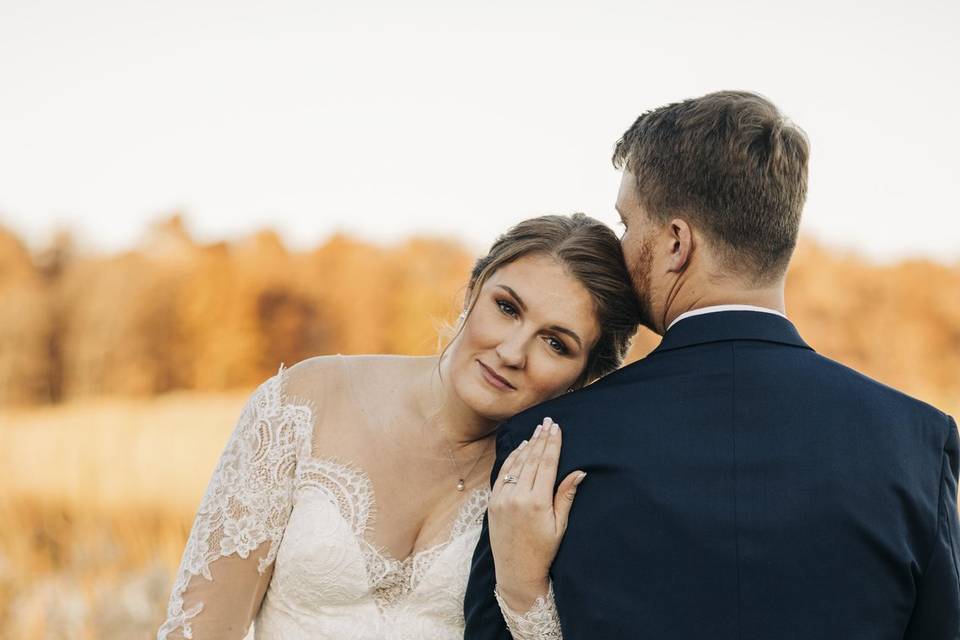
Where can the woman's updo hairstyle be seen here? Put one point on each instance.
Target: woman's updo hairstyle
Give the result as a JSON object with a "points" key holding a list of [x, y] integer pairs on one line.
{"points": [[590, 252]]}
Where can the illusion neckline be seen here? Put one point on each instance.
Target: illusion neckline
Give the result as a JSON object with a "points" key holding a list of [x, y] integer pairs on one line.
{"points": [[458, 528]]}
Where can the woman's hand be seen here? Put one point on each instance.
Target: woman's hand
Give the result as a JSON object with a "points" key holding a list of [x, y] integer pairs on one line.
{"points": [[526, 520]]}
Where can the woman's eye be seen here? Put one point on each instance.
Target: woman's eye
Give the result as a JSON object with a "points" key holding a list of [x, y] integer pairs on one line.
{"points": [[557, 345], [507, 308]]}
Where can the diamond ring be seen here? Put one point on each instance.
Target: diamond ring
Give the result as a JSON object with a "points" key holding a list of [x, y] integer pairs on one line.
{"points": [[509, 479]]}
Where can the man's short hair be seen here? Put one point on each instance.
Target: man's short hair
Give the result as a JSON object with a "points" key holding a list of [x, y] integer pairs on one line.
{"points": [[730, 163]]}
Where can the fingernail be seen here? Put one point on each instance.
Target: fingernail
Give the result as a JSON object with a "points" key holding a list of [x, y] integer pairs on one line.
{"points": [[554, 429], [537, 432], [579, 478], [522, 444], [548, 421]]}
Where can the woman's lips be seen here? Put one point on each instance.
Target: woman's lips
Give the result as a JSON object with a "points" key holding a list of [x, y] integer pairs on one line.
{"points": [[495, 381]]}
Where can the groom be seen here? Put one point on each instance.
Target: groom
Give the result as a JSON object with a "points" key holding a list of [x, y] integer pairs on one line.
{"points": [[740, 486]]}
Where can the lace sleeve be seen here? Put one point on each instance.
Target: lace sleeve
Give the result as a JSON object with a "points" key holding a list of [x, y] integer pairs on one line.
{"points": [[541, 622], [229, 555]]}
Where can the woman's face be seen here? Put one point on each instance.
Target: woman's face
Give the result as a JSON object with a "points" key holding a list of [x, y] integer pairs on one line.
{"points": [[526, 340]]}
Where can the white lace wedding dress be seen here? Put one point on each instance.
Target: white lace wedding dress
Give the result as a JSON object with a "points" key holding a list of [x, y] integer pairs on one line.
{"points": [[283, 537]]}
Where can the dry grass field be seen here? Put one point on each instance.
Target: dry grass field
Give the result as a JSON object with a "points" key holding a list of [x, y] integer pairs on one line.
{"points": [[97, 503], [121, 378]]}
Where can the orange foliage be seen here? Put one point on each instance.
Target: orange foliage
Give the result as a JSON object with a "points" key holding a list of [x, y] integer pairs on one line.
{"points": [[175, 314], [26, 326]]}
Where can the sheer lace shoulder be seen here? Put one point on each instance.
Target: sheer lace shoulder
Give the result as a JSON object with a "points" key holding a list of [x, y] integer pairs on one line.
{"points": [[243, 513], [312, 381], [541, 622], [283, 544]]}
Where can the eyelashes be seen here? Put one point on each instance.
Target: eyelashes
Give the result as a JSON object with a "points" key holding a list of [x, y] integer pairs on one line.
{"points": [[555, 343], [557, 346], [507, 308]]}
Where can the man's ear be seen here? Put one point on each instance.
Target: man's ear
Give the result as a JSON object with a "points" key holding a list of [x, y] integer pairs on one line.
{"points": [[681, 245]]}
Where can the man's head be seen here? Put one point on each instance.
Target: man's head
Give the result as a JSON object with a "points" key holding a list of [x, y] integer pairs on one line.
{"points": [[712, 191]]}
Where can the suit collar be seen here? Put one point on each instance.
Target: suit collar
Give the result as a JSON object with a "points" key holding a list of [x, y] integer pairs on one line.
{"points": [[730, 325]]}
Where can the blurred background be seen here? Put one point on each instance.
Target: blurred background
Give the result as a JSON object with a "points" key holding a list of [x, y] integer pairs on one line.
{"points": [[193, 192]]}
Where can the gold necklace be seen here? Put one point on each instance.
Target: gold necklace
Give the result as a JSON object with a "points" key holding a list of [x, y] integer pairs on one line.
{"points": [[462, 480]]}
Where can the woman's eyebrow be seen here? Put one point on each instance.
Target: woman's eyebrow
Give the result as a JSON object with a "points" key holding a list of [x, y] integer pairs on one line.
{"points": [[514, 294], [568, 332], [556, 327]]}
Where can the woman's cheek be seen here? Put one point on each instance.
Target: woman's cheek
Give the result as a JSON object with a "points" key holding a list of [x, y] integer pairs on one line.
{"points": [[481, 327], [547, 381]]}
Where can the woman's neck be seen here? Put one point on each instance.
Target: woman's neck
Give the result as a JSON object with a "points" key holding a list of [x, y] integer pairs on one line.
{"points": [[443, 407]]}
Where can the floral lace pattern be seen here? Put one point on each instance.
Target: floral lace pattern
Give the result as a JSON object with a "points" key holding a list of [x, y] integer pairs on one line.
{"points": [[351, 490], [541, 622], [249, 496], [315, 513]]}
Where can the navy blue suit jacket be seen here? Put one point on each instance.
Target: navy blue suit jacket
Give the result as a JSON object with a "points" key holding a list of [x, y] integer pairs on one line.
{"points": [[742, 487]]}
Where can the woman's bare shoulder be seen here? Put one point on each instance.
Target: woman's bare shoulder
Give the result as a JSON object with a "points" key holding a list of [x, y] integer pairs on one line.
{"points": [[332, 373]]}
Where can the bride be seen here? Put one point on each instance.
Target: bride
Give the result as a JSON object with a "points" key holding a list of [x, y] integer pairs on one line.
{"points": [[349, 498]]}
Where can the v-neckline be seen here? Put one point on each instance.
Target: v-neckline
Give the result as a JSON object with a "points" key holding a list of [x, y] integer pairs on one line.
{"points": [[457, 527]]}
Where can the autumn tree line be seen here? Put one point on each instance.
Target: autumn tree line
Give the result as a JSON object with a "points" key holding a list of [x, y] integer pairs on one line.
{"points": [[175, 314]]}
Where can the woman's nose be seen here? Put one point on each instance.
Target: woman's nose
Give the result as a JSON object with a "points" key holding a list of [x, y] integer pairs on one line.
{"points": [[512, 352]]}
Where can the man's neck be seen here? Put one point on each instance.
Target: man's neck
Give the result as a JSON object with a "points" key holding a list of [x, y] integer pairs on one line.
{"points": [[769, 298], [724, 307]]}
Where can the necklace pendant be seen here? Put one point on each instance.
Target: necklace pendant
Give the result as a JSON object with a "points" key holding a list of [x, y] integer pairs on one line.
{"points": [[460, 485]]}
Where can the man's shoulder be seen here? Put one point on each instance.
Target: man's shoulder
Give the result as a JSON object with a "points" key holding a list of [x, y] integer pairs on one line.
{"points": [[641, 385], [893, 413], [851, 380], [602, 390]]}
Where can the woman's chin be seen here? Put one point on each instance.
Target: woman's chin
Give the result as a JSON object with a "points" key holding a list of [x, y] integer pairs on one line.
{"points": [[490, 406], [493, 404], [491, 410]]}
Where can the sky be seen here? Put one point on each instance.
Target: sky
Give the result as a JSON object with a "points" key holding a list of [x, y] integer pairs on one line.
{"points": [[451, 118]]}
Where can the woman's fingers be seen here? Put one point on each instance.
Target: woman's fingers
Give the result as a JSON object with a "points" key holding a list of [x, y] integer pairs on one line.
{"points": [[512, 459], [511, 466], [546, 474], [563, 501], [538, 442]]}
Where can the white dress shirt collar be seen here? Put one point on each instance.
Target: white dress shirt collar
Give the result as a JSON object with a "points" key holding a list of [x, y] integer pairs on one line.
{"points": [[723, 307]]}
